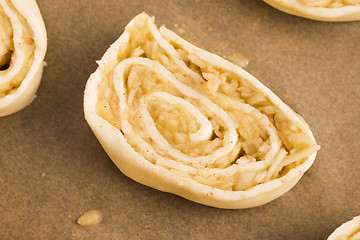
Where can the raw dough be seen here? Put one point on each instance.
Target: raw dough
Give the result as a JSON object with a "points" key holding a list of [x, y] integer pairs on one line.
{"points": [[182, 120], [322, 10], [22, 50]]}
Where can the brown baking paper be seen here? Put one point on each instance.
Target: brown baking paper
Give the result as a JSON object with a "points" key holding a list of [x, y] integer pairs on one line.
{"points": [[53, 169]]}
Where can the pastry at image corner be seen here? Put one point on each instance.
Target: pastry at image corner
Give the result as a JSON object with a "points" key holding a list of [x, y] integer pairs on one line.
{"points": [[23, 45], [321, 10], [182, 120], [347, 231]]}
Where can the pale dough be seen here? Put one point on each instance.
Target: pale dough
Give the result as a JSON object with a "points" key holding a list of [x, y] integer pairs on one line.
{"points": [[177, 118]]}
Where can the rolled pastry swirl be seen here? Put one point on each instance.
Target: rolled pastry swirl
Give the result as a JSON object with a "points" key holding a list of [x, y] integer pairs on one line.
{"points": [[322, 10], [182, 120], [22, 50], [347, 231]]}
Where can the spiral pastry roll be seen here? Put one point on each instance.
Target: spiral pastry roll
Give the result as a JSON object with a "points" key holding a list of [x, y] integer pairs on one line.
{"points": [[22, 50], [322, 10], [347, 231], [182, 120]]}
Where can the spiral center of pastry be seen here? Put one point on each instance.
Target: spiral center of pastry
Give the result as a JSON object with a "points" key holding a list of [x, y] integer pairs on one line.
{"points": [[168, 113]]}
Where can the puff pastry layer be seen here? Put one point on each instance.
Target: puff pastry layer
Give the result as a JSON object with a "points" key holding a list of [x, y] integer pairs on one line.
{"points": [[182, 120], [23, 45], [322, 10], [347, 231]]}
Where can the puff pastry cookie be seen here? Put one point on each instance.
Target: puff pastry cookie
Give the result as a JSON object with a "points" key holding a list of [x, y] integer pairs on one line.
{"points": [[347, 231], [182, 120], [322, 10], [23, 45]]}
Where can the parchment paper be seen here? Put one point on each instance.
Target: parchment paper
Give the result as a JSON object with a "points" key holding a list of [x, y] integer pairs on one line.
{"points": [[53, 169]]}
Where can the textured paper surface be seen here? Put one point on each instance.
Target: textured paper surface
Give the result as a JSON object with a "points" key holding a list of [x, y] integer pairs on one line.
{"points": [[52, 168]]}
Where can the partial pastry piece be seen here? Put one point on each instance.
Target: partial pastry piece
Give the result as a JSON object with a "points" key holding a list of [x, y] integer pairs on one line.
{"points": [[347, 231], [322, 10], [182, 120], [23, 44]]}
